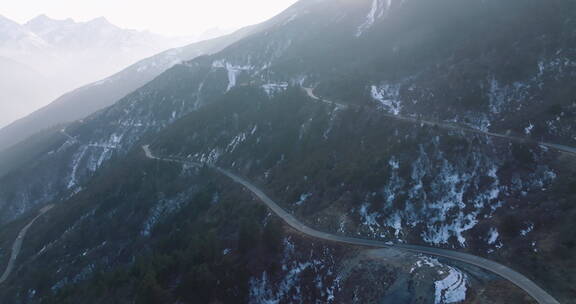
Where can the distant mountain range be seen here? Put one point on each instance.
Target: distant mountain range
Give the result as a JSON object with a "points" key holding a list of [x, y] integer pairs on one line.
{"points": [[88, 99], [85, 51], [68, 54]]}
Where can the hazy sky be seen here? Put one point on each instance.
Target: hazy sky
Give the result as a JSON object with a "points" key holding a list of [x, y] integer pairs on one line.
{"points": [[171, 17]]}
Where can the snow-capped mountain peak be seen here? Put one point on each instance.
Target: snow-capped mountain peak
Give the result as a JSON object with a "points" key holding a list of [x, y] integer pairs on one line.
{"points": [[71, 54], [43, 23]]}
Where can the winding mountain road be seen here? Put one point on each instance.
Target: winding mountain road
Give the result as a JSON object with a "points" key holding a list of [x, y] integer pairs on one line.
{"points": [[310, 93], [17, 246], [540, 295], [444, 125]]}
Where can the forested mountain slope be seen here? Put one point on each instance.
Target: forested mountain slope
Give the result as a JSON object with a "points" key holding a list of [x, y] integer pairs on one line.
{"points": [[351, 165]]}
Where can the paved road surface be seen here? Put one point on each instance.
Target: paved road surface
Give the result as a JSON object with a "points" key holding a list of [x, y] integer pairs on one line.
{"points": [[17, 246], [516, 278], [445, 125]]}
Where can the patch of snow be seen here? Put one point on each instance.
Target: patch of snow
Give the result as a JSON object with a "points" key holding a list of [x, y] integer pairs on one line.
{"points": [[451, 184], [378, 9], [524, 232], [493, 236], [272, 89], [528, 129], [389, 97], [502, 96], [76, 159], [541, 68], [368, 219], [240, 138], [446, 214], [331, 123], [394, 163], [303, 198], [219, 64], [452, 289], [397, 224], [426, 261], [290, 289], [31, 293], [233, 71], [259, 291], [342, 226], [210, 158]]}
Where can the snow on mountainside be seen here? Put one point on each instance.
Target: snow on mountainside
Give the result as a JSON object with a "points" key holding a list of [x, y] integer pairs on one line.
{"points": [[16, 38], [379, 9], [167, 98], [262, 108]]}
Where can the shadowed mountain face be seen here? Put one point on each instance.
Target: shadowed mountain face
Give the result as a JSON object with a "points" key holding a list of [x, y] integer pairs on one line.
{"points": [[370, 156]]}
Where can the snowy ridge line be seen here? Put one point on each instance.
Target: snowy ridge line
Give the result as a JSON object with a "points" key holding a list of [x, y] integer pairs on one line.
{"points": [[507, 273], [18, 244], [449, 126]]}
